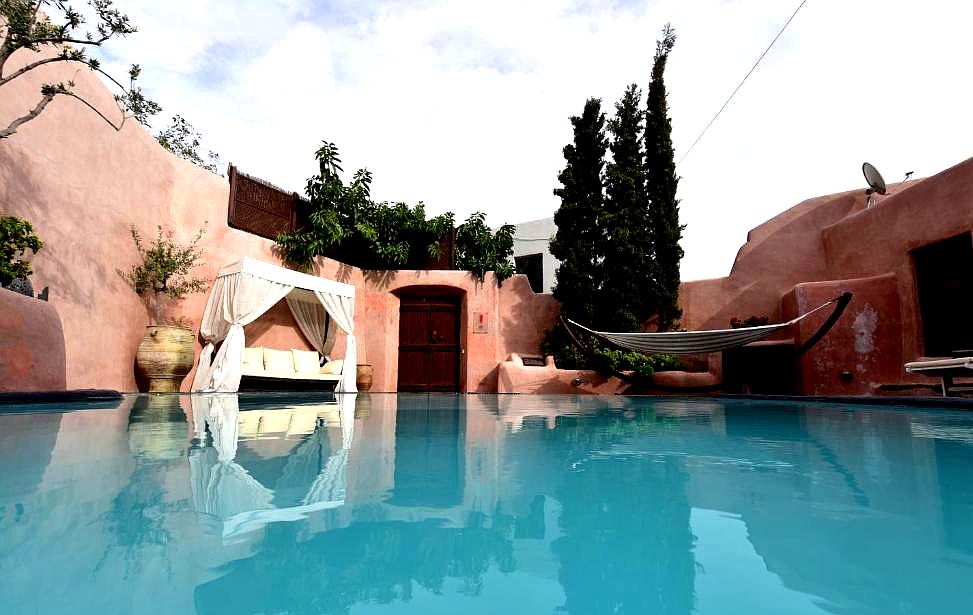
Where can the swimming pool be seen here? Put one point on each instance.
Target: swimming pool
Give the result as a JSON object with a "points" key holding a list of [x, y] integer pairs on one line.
{"points": [[484, 504]]}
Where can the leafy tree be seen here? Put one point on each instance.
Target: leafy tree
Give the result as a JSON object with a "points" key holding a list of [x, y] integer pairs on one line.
{"points": [[27, 26], [661, 184], [343, 222], [165, 268], [343, 219], [626, 298], [183, 140], [16, 237], [478, 249]]}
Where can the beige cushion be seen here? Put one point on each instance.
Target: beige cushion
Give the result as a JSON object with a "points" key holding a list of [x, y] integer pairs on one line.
{"points": [[333, 367], [253, 358], [306, 360], [279, 361]]}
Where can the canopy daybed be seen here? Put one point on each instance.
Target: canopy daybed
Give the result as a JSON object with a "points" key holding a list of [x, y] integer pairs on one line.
{"points": [[240, 503], [245, 290]]}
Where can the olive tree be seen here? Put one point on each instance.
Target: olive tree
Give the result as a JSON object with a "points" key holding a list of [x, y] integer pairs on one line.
{"points": [[53, 30]]}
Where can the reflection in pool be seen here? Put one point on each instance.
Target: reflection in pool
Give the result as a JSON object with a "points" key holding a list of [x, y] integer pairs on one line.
{"points": [[484, 504]]}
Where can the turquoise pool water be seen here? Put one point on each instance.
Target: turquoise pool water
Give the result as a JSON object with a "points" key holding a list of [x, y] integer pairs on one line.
{"points": [[484, 504]]}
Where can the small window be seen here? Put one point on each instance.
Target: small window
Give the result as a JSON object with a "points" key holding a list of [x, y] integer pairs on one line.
{"points": [[532, 265]]}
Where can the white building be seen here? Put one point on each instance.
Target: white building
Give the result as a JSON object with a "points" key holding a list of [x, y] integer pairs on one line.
{"points": [[532, 253]]}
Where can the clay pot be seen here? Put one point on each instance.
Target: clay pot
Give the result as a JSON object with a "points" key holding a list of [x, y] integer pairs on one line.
{"points": [[157, 427], [165, 356], [364, 377]]}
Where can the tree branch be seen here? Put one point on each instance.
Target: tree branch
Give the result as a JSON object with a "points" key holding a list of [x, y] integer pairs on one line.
{"points": [[62, 40], [12, 128], [34, 65], [100, 114]]}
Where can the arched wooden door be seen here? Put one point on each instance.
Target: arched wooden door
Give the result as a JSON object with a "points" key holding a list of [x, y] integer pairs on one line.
{"points": [[429, 349]]}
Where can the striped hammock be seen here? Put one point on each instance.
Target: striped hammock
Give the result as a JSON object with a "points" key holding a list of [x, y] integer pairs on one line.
{"points": [[698, 342]]}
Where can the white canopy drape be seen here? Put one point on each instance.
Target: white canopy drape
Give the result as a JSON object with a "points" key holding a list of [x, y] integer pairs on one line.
{"points": [[222, 488], [245, 290], [342, 310], [314, 322]]}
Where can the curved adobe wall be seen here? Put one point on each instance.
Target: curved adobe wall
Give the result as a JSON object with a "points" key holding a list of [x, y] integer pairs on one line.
{"points": [[31, 345], [837, 243]]}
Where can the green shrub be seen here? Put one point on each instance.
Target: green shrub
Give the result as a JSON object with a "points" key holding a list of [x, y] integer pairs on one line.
{"points": [[16, 237], [606, 359]]}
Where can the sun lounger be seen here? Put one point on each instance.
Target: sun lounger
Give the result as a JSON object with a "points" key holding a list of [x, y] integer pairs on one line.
{"points": [[943, 368]]}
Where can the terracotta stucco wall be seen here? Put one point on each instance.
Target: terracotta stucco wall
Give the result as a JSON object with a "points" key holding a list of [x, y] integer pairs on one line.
{"points": [[31, 345], [83, 185], [837, 242]]}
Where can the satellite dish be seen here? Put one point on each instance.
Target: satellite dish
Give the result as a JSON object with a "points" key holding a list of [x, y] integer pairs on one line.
{"points": [[875, 182]]}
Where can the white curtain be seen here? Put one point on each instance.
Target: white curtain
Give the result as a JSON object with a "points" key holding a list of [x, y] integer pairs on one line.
{"points": [[342, 311], [236, 301], [221, 487], [331, 485], [312, 319]]}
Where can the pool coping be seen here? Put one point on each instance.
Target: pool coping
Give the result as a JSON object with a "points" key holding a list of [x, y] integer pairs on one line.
{"points": [[59, 397], [877, 400], [107, 395]]}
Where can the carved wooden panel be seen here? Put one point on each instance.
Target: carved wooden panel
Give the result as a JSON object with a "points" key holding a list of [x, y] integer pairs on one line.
{"points": [[260, 208]]}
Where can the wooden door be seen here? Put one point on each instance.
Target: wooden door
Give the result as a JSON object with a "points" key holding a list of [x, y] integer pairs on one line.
{"points": [[429, 343]]}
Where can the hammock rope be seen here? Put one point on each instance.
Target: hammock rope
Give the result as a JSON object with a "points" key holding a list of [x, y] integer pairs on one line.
{"points": [[698, 342]]}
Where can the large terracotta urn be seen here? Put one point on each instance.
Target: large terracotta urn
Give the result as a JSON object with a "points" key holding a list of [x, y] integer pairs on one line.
{"points": [[364, 377], [165, 356]]}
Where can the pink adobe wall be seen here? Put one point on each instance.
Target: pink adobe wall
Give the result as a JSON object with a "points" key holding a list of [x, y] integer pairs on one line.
{"points": [[82, 185], [835, 242], [516, 319], [31, 345], [881, 238], [861, 351]]}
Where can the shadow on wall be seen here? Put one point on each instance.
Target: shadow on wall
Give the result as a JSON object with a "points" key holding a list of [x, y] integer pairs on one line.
{"points": [[382, 280]]}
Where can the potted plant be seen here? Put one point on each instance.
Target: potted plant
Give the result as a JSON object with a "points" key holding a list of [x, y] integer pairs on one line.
{"points": [[16, 237], [165, 355]]}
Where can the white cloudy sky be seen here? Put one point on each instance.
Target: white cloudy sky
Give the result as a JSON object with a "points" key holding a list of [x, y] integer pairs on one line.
{"points": [[465, 105]]}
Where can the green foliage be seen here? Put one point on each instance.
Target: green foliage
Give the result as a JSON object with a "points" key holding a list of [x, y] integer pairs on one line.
{"points": [[478, 249], [626, 299], [661, 184], [28, 25], [343, 222], [605, 359], [642, 366], [579, 242], [165, 267], [16, 237], [183, 140], [618, 225]]}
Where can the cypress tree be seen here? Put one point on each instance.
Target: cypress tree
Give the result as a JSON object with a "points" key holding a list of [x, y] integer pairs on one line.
{"points": [[626, 300], [661, 184], [579, 242]]}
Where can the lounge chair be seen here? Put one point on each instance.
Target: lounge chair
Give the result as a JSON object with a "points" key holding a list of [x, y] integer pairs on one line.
{"points": [[943, 368]]}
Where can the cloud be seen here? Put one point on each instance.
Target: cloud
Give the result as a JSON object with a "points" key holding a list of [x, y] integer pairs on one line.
{"points": [[465, 105]]}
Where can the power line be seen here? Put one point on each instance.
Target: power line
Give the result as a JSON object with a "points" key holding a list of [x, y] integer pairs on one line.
{"points": [[755, 64]]}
